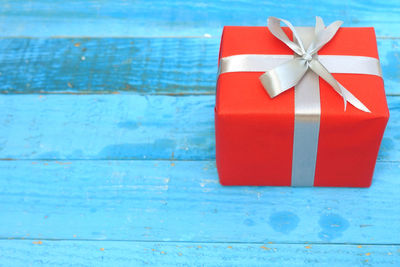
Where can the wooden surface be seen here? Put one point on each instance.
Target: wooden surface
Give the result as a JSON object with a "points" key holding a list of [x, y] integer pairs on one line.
{"points": [[107, 143], [115, 18], [162, 200]]}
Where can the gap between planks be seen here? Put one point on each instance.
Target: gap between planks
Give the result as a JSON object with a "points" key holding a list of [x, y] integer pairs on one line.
{"points": [[106, 92], [94, 93], [140, 37], [146, 159], [196, 242]]}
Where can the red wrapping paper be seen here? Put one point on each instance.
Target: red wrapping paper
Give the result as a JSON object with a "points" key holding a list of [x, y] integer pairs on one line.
{"points": [[254, 133]]}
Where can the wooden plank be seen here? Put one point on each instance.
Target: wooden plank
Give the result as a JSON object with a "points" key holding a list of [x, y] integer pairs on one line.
{"points": [[182, 18], [183, 201], [126, 126], [106, 127], [78, 253], [110, 65], [161, 65]]}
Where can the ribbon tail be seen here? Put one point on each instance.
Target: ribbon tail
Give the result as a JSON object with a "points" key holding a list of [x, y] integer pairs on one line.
{"points": [[283, 77], [353, 100], [319, 69]]}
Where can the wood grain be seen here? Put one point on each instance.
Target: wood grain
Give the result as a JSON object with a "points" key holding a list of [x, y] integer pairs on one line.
{"points": [[101, 253], [143, 65], [183, 201], [183, 18], [125, 126]]}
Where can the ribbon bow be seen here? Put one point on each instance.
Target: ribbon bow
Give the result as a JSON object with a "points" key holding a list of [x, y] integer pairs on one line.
{"points": [[289, 74]]}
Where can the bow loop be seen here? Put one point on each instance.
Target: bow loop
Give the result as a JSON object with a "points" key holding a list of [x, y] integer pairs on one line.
{"points": [[275, 28], [289, 74], [323, 36], [319, 25], [293, 71]]}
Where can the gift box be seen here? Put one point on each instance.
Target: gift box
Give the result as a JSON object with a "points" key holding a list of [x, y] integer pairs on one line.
{"points": [[288, 139]]}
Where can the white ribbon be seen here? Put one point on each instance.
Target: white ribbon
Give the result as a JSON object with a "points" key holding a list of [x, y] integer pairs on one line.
{"points": [[288, 74], [333, 63]]}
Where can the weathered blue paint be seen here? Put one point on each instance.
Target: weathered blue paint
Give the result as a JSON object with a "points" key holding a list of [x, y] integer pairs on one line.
{"points": [[332, 226], [183, 201], [284, 221], [182, 18], [122, 253], [126, 126], [111, 65], [168, 66], [106, 127]]}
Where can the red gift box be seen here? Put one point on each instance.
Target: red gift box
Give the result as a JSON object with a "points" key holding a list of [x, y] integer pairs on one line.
{"points": [[254, 132]]}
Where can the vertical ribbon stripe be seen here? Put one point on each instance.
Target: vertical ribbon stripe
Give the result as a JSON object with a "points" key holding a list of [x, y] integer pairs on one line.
{"points": [[307, 114]]}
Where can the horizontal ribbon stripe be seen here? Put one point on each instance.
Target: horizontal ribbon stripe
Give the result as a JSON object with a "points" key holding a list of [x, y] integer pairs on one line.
{"points": [[333, 63]]}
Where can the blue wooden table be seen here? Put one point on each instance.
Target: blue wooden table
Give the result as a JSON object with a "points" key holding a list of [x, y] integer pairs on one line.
{"points": [[107, 142]]}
